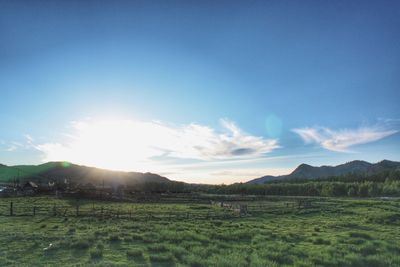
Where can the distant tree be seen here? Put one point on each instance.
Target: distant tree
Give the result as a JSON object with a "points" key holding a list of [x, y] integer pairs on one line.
{"points": [[363, 189], [352, 192]]}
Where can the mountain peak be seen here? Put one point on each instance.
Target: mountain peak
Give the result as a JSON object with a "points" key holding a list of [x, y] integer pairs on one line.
{"points": [[305, 171], [356, 162], [302, 169], [303, 166], [387, 164], [385, 161]]}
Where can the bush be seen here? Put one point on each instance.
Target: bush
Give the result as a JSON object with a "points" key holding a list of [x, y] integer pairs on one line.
{"points": [[81, 244], [178, 252], [320, 241], [157, 248], [71, 231], [368, 249], [165, 257], [100, 245], [134, 253], [228, 260], [195, 261], [114, 238], [359, 235], [96, 254], [136, 237]]}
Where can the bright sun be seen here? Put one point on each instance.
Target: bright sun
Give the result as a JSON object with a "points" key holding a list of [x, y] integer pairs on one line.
{"points": [[133, 145], [111, 144]]}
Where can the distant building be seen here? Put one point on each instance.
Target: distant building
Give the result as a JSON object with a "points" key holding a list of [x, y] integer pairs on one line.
{"points": [[30, 188]]}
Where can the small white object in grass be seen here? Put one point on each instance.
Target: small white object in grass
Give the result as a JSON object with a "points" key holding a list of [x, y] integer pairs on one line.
{"points": [[50, 245]]}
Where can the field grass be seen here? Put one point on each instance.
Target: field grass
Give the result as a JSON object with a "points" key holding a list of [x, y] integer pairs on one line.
{"points": [[332, 232]]}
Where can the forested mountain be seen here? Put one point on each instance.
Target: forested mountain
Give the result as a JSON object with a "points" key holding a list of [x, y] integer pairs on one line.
{"points": [[59, 171], [305, 171], [356, 179]]}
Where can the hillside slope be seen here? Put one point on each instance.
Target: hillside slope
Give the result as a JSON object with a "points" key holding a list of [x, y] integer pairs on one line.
{"points": [[52, 171], [305, 171]]}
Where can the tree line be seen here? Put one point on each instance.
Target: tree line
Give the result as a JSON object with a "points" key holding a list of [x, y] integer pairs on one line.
{"points": [[386, 183]]}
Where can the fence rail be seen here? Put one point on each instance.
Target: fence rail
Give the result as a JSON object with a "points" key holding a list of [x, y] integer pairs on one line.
{"points": [[102, 212], [140, 212]]}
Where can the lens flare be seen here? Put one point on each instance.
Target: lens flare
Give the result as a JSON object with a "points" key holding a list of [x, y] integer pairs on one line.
{"points": [[273, 126]]}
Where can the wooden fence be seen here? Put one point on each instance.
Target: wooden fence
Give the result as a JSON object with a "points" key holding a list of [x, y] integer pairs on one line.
{"points": [[104, 212], [137, 211]]}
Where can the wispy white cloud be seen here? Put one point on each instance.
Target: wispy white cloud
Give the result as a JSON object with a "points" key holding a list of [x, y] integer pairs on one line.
{"points": [[250, 173], [11, 148], [342, 140], [25, 143], [29, 139], [125, 144]]}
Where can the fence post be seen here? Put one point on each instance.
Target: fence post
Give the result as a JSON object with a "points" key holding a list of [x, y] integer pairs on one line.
{"points": [[11, 208]]}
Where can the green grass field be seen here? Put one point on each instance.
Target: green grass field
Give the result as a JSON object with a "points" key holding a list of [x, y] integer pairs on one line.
{"points": [[332, 232]]}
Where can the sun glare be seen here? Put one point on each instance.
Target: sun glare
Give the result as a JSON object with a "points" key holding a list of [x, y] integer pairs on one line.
{"points": [[112, 144], [122, 144]]}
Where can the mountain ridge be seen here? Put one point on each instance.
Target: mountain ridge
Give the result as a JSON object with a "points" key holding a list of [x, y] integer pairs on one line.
{"points": [[51, 171], [305, 171]]}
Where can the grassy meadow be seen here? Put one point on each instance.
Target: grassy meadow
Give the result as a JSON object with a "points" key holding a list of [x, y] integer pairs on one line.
{"points": [[276, 232]]}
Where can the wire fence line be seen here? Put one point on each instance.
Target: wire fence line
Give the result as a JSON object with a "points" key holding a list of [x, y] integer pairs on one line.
{"points": [[158, 211], [103, 212], [163, 208]]}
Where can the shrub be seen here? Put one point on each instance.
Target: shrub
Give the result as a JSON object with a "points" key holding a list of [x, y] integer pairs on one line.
{"points": [[134, 253], [178, 252], [81, 244], [136, 237], [228, 260], [164, 257], [100, 245], [359, 235], [96, 254], [71, 231], [218, 223], [114, 238], [157, 248], [368, 249], [150, 237], [321, 241], [195, 261], [97, 233]]}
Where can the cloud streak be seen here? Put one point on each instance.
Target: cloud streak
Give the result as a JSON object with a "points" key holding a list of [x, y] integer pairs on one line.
{"points": [[342, 140], [119, 144]]}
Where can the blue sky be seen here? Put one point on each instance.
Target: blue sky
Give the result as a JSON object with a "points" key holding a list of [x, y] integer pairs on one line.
{"points": [[226, 91]]}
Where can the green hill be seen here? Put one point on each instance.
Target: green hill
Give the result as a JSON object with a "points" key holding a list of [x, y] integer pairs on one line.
{"points": [[52, 171]]}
